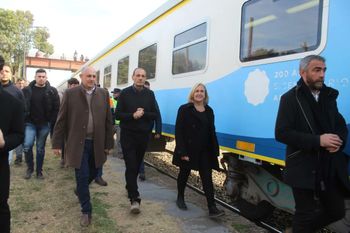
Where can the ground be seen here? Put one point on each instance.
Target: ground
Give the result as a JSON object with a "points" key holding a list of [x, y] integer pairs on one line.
{"points": [[50, 205]]}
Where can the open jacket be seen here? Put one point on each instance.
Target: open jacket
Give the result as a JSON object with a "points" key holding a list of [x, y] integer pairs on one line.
{"points": [[72, 123], [187, 137], [51, 102], [296, 126]]}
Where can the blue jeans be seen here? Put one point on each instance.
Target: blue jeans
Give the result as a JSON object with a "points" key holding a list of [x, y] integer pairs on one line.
{"points": [[38, 133], [19, 152], [84, 175]]}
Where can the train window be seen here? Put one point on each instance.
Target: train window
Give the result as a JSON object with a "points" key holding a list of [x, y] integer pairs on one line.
{"points": [[272, 28], [123, 71], [98, 77], [148, 60], [190, 50], [107, 76]]}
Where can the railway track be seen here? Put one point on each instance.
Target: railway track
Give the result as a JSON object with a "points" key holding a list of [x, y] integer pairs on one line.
{"points": [[277, 222], [160, 168]]}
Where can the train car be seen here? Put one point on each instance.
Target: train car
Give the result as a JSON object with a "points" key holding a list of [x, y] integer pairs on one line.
{"points": [[247, 53]]}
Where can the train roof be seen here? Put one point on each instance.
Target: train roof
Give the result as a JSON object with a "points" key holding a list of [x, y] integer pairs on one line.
{"points": [[154, 16]]}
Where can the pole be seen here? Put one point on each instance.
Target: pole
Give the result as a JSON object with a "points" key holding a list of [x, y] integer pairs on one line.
{"points": [[24, 75]]}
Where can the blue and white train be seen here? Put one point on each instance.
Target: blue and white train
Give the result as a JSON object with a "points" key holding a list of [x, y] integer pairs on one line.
{"points": [[247, 53]]}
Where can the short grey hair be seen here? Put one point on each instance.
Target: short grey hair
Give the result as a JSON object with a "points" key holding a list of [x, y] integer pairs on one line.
{"points": [[304, 63]]}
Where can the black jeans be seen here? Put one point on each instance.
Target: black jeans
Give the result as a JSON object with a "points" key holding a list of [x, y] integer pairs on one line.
{"points": [[312, 214], [205, 173], [5, 214], [134, 145]]}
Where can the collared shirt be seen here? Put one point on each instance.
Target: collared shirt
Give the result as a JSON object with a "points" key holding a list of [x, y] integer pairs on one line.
{"points": [[89, 92], [316, 94]]}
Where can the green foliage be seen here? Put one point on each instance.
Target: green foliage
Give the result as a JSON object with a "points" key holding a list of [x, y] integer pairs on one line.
{"points": [[40, 37], [17, 36]]}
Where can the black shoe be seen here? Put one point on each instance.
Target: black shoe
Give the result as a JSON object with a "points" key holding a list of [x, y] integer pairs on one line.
{"points": [[142, 176], [18, 162], [40, 176], [214, 212], [28, 174], [180, 202], [101, 181]]}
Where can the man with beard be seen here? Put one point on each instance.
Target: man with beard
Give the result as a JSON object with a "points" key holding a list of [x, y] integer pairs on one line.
{"points": [[315, 133]]}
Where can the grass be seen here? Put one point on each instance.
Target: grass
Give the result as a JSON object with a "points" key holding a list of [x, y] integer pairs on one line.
{"points": [[50, 205]]}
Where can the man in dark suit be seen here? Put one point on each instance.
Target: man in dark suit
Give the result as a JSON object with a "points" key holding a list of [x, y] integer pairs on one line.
{"points": [[315, 133], [11, 135]]}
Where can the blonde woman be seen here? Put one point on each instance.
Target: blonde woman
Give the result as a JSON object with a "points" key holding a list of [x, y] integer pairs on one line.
{"points": [[196, 146]]}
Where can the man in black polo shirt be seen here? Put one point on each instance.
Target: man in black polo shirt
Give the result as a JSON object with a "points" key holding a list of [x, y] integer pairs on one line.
{"points": [[136, 111]]}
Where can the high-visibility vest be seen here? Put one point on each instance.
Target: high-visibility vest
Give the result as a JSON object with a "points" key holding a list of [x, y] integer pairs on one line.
{"points": [[114, 105]]}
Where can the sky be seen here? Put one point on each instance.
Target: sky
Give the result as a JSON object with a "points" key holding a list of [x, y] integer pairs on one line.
{"points": [[85, 26]]}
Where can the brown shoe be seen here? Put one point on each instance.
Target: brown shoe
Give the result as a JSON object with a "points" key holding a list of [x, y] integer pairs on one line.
{"points": [[85, 220], [101, 181]]}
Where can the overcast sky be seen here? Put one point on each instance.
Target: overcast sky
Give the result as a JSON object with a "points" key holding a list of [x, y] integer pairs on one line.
{"points": [[86, 26]]}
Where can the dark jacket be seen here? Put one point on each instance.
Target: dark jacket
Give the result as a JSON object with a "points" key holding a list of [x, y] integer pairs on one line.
{"points": [[14, 91], [298, 127], [187, 137], [11, 122], [51, 106], [129, 100], [12, 127], [72, 122]]}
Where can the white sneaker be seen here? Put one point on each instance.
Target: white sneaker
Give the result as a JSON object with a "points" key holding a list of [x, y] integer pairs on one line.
{"points": [[135, 207]]}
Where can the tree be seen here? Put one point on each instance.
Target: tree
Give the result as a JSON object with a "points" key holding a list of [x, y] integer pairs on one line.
{"points": [[40, 37], [17, 37]]}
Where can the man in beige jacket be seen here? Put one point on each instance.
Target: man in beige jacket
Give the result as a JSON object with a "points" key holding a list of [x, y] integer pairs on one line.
{"points": [[85, 124]]}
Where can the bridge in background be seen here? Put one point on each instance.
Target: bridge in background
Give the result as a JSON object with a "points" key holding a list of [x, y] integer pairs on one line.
{"points": [[51, 63]]}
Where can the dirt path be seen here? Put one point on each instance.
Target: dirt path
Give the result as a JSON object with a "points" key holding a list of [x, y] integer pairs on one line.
{"points": [[50, 205]]}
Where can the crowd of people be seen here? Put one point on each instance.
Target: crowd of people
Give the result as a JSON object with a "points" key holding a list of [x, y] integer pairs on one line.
{"points": [[86, 124]]}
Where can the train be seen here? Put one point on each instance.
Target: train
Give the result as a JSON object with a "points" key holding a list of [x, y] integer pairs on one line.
{"points": [[247, 53]]}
